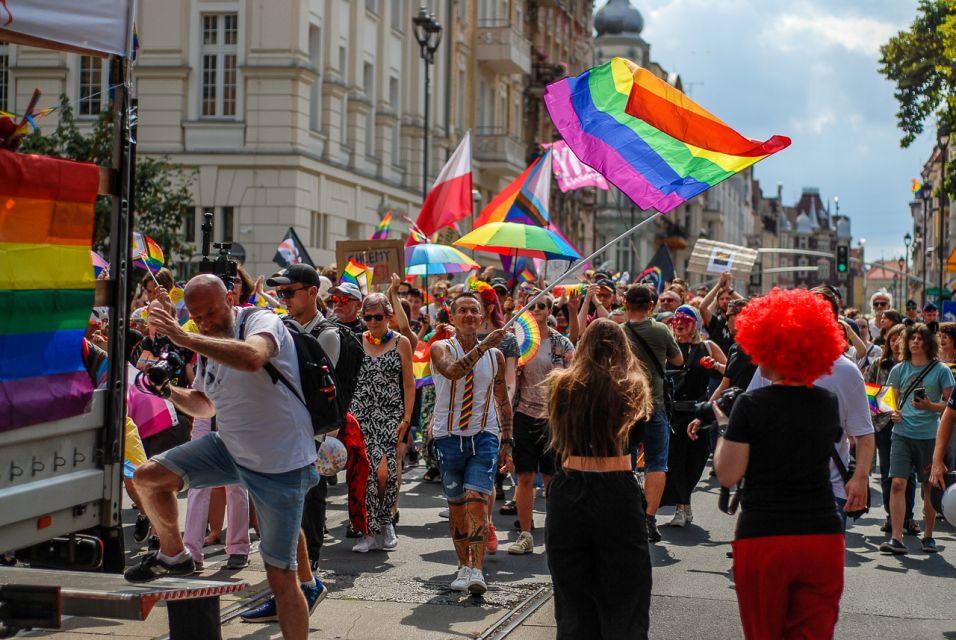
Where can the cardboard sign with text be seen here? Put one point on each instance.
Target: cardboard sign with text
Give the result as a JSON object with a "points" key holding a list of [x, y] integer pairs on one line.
{"points": [[717, 257], [383, 257]]}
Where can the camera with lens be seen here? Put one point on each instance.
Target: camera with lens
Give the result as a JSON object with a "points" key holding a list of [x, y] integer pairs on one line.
{"points": [[155, 379], [222, 267], [704, 411]]}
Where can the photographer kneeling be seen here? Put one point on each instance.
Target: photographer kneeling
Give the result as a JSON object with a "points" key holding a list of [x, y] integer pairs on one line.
{"points": [[788, 547], [264, 441]]}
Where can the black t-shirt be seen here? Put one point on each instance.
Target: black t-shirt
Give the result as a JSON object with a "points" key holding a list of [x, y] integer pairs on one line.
{"points": [[791, 432], [740, 368], [357, 326], [719, 333]]}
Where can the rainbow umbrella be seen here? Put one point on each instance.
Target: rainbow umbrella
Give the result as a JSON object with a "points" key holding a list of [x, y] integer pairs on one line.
{"points": [[435, 259], [516, 239]]}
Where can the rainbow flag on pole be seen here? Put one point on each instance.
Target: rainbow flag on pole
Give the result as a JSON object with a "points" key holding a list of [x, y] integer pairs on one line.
{"points": [[46, 287], [147, 254], [882, 399], [381, 231], [650, 140], [358, 273]]}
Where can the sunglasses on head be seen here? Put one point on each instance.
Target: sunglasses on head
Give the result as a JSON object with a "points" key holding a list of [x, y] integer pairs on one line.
{"points": [[377, 317], [287, 293], [340, 299]]}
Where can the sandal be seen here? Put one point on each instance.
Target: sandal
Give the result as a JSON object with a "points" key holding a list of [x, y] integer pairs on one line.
{"points": [[431, 475], [509, 508]]}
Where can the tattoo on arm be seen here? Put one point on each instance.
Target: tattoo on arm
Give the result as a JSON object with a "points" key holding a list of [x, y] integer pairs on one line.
{"points": [[502, 401], [444, 361]]}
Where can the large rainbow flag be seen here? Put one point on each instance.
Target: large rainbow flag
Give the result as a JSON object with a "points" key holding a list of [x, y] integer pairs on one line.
{"points": [[650, 140], [46, 287], [525, 199]]}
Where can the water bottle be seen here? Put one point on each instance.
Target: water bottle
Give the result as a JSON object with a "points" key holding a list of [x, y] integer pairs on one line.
{"points": [[328, 384]]}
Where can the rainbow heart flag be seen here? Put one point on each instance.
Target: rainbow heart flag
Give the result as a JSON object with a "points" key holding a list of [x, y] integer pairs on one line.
{"points": [[381, 231], [882, 399], [147, 254], [650, 140], [46, 287]]}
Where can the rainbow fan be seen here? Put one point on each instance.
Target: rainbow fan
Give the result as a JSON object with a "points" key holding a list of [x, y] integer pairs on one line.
{"points": [[529, 337]]}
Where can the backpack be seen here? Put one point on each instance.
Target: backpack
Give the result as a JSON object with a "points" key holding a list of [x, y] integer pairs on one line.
{"points": [[327, 389]]}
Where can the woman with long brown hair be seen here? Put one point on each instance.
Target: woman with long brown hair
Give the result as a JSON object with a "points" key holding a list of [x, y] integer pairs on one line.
{"points": [[596, 531]]}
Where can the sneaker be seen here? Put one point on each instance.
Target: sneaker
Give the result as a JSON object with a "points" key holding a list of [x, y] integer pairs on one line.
{"points": [[688, 514], [265, 612], [389, 539], [141, 529], [443, 513], [886, 526], [237, 561], [152, 567], [517, 526], [460, 583], [893, 547], [314, 594], [911, 528], [152, 543], [491, 542], [350, 532], [929, 545], [524, 544], [366, 544], [679, 519], [508, 509], [476, 583], [653, 534]]}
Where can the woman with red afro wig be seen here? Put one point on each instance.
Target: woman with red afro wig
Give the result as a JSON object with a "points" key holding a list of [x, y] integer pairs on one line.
{"points": [[788, 547]]}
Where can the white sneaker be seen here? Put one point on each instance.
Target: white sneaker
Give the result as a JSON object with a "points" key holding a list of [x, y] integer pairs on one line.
{"points": [[389, 539], [679, 519], [524, 544], [688, 514], [443, 513], [460, 583], [476, 583], [366, 544]]}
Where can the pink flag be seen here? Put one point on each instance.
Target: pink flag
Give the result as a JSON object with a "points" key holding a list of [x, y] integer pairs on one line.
{"points": [[570, 172]]}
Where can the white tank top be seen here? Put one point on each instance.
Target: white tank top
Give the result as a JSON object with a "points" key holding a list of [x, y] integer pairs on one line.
{"points": [[450, 393]]}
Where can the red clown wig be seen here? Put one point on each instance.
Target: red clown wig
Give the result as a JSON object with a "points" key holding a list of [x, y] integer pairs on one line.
{"points": [[793, 333]]}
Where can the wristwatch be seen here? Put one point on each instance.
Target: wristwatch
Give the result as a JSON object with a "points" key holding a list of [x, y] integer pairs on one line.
{"points": [[508, 441]]}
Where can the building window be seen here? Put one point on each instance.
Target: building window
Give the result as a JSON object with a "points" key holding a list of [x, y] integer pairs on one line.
{"points": [[461, 99], [344, 115], [5, 77], [394, 101], [189, 224], [463, 11], [93, 90], [315, 94], [219, 53], [319, 230], [397, 15], [371, 5], [368, 78], [228, 224], [355, 229]]}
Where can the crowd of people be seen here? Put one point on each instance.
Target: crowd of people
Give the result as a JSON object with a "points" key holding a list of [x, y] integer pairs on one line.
{"points": [[632, 390]]}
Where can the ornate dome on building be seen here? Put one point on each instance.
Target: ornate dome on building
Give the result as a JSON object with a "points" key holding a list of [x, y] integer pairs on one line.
{"points": [[618, 17]]}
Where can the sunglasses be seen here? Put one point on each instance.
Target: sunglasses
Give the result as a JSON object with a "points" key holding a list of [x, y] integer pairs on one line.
{"points": [[378, 317], [880, 304], [341, 299], [540, 305], [287, 293]]}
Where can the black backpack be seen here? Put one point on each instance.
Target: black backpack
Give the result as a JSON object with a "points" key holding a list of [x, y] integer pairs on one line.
{"points": [[328, 389]]}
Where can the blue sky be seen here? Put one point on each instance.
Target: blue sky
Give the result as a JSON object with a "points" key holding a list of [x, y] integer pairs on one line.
{"points": [[806, 69]]}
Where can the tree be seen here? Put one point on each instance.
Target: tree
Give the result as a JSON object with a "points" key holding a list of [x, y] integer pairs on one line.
{"points": [[161, 187]]}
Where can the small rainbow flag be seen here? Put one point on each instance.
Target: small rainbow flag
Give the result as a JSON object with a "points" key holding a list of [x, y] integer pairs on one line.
{"points": [[421, 360], [527, 276], [381, 231], [881, 398], [359, 274], [46, 286], [653, 142], [146, 253]]}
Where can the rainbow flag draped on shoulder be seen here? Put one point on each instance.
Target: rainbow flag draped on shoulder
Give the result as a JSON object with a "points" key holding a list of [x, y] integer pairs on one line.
{"points": [[650, 140], [46, 287]]}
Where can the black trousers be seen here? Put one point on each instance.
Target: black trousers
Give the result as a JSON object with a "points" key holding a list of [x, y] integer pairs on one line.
{"points": [[596, 538], [313, 518]]}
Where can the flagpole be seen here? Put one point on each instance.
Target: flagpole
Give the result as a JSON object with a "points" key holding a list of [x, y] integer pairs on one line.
{"points": [[580, 263], [144, 257]]}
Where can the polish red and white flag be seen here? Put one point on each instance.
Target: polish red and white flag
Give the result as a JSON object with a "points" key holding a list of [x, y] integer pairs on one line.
{"points": [[449, 199]]}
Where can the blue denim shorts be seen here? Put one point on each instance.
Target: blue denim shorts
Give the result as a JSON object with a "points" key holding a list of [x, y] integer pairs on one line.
{"points": [[657, 440], [279, 497], [467, 463]]}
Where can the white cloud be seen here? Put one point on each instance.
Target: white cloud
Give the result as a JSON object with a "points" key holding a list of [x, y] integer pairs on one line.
{"points": [[805, 31], [815, 123]]}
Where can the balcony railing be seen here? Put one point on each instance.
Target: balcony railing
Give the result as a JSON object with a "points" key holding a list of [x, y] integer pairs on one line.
{"points": [[497, 151], [502, 48]]}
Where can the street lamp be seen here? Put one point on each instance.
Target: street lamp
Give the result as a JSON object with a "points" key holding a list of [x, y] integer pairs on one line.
{"points": [[901, 264], [863, 267], [428, 34], [926, 189], [907, 239]]}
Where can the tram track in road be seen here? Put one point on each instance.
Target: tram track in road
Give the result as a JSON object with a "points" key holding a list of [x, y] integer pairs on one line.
{"points": [[516, 616]]}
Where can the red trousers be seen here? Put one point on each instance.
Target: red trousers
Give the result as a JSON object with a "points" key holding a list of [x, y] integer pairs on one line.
{"points": [[356, 472], [789, 586]]}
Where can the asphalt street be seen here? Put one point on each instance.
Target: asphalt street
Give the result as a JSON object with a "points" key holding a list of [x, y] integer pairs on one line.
{"points": [[404, 594]]}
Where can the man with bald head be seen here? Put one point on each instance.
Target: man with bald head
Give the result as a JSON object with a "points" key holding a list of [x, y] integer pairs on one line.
{"points": [[264, 439]]}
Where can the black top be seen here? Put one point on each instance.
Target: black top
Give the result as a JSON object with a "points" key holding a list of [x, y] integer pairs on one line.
{"points": [[692, 379], [791, 432], [740, 368], [357, 326], [718, 332]]}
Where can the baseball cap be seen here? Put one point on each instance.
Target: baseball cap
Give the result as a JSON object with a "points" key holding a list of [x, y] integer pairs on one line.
{"points": [[348, 289], [911, 304], [929, 306], [606, 283], [499, 283], [301, 273]]}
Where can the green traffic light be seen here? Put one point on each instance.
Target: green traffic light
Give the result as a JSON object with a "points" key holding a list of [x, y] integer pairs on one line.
{"points": [[841, 268]]}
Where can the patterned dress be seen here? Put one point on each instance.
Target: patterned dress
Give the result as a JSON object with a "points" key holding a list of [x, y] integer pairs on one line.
{"points": [[379, 405]]}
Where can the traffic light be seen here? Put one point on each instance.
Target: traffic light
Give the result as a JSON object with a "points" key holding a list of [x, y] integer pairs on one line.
{"points": [[843, 258]]}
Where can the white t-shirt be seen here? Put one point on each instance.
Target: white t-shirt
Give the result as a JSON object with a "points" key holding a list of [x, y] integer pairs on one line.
{"points": [[263, 425], [846, 382]]}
